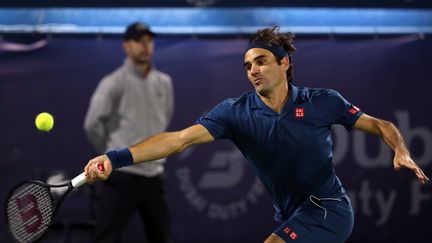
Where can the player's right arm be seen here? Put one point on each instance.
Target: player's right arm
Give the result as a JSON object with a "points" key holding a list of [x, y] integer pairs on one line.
{"points": [[155, 147]]}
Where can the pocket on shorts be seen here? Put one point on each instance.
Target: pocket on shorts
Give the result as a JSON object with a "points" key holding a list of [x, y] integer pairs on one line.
{"points": [[340, 216]]}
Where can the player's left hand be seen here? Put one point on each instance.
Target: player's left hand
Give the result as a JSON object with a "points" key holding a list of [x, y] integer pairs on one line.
{"points": [[98, 168], [404, 160]]}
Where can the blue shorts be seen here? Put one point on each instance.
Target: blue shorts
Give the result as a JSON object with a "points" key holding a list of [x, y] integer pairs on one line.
{"points": [[323, 220]]}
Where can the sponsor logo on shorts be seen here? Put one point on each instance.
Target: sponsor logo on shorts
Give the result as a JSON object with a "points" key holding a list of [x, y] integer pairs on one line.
{"points": [[293, 235]]}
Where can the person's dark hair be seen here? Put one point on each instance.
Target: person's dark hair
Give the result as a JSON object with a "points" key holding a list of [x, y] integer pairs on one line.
{"points": [[273, 37]]}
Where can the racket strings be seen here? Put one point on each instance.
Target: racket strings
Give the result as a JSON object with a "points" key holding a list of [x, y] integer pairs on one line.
{"points": [[29, 211]]}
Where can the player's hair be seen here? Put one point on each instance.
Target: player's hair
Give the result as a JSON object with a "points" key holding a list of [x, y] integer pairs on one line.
{"points": [[274, 37]]}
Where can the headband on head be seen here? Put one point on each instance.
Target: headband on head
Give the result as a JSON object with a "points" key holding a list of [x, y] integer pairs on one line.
{"points": [[276, 50]]}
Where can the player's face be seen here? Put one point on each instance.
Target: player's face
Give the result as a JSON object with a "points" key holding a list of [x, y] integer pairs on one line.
{"points": [[140, 51], [263, 71]]}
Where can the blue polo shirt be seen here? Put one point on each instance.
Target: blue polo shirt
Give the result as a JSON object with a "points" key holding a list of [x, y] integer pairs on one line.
{"points": [[290, 152]]}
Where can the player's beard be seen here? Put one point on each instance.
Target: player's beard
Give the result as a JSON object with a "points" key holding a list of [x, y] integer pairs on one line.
{"points": [[263, 89]]}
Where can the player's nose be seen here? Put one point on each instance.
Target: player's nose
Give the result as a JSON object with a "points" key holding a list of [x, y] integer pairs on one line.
{"points": [[254, 70]]}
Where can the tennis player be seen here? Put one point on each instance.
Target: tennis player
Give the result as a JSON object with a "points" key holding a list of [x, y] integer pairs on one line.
{"points": [[284, 131]]}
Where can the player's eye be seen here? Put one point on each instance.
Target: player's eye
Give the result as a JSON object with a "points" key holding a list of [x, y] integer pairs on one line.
{"points": [[260, 62]]}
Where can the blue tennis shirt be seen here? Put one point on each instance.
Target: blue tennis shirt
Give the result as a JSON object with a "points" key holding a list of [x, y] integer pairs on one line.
{"points": [[290, 152]]}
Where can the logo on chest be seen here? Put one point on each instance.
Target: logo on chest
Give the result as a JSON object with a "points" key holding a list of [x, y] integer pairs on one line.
{"points": [[299, 113]]}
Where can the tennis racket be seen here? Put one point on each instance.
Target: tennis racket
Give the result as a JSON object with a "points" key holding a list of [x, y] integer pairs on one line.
{"points": [[31, 207]]}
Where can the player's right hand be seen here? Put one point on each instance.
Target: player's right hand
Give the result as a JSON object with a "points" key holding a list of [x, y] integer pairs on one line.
{"points": [[98, 168]]}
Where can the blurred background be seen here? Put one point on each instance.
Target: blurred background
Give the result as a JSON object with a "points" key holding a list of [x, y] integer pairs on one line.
{"points": [[377, 54]]}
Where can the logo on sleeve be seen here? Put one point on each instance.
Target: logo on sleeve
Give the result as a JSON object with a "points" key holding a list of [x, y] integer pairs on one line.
{"points": [[299, 112], [353, 110]]}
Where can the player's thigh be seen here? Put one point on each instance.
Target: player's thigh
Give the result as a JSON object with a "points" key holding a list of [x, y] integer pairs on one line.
{"points": [[273, 238]]}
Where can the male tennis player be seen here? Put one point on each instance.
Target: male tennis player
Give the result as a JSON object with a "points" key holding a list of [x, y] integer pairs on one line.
{"points": [[284, 132]]}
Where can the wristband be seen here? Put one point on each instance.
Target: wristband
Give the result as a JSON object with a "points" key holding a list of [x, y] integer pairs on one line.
{"points": [[120, 157]]}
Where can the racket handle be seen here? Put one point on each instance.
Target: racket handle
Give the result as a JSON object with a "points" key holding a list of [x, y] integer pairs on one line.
{"points": [[79, 180]]}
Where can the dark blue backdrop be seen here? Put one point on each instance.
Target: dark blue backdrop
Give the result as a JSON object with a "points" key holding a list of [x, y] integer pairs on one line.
{"points": [[214, 196]]}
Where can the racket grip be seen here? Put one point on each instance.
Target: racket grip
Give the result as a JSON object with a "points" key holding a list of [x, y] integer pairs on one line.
{"points": [[101, 167], [79, 180]]}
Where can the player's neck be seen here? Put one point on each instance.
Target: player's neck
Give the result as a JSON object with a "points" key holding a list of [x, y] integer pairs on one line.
{"points": [[277, 99]]}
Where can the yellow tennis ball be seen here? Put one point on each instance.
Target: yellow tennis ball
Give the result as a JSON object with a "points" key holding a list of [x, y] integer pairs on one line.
{"points": [[44, 121]]}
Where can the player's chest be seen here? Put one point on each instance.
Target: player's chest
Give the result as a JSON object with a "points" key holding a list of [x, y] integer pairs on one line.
{"points": [[292, 126]]}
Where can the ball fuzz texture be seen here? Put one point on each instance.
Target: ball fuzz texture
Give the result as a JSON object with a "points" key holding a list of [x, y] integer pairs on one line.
{"points": [[44, 121]]}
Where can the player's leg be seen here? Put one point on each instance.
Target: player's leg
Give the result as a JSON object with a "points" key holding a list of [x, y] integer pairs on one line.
{"points": [[273, 238], [154, 210], [114, 208], [319, 220]]}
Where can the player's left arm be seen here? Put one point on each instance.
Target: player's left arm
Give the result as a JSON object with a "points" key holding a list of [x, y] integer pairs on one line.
{"points": [[393, 138]]}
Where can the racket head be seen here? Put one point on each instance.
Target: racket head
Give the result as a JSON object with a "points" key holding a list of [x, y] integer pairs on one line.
{"points": [[30, 208]]}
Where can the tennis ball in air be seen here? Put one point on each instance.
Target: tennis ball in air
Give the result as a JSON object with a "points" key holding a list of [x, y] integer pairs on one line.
{"points": [[44, 121]]}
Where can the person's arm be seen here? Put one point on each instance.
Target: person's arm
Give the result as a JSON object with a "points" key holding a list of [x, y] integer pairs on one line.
{"points": [[155, 147], [95, 130], [393, 138], [100, 109], [170, 99]]}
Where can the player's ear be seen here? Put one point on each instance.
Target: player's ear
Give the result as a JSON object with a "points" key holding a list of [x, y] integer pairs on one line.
{"points": [[285, 63]]}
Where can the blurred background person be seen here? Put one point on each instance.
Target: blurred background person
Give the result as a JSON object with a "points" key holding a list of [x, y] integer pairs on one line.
{"points": [[133, 102]]}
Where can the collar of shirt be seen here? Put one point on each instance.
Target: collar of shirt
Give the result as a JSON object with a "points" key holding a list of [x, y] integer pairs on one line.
{"points": [[295, 96], [131, 67]]}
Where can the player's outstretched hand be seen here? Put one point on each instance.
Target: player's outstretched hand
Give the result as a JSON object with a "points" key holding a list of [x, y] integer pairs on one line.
{"points": [[98, 168], [403, 159]]}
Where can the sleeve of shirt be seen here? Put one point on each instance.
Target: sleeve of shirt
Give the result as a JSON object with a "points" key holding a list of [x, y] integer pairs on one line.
{"points": [[99, 111], [341, 111], [216, 121]]}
